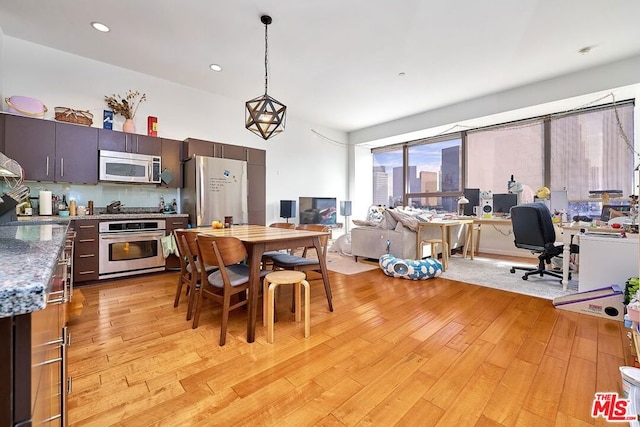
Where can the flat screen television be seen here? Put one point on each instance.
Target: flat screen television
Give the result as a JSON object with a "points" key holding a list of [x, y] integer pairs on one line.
{"points": [[317, 210]]}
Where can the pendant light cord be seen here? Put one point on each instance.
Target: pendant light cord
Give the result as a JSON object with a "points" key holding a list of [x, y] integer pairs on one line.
{"points": [[266, 49]]}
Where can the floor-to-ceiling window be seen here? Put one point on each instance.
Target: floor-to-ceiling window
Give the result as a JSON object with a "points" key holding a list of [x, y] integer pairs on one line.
{"points": [[495, 154], [434, 173], [592, 151], [576, 152], [388, 187]]}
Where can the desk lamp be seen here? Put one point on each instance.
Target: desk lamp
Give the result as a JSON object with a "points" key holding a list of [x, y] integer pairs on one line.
{"points": [[461, 202]]}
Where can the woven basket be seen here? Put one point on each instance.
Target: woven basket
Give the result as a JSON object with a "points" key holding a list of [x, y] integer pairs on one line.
{"points": [[80, 117]]}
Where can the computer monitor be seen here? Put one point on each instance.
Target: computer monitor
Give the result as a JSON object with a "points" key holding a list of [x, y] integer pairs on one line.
{"points": [[473, 195], [606, 211], [502, 203]]}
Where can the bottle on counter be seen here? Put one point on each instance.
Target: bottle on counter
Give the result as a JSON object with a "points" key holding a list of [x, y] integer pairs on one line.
{"points": [[62, 205], [72, 207], [90, 207]]}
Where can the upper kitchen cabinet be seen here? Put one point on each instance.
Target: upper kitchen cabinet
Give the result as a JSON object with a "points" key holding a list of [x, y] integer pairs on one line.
{"points": [[2, 133], [256, 157], [52, 151], [128, 142], [234, 152], [76, 154], [198, 147], [172, 161], [32, 143]]}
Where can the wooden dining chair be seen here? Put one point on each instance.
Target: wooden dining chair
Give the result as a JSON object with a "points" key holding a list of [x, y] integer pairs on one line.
{"points": [[267, 262], [190, 273], [305, 262], [231, 278]]}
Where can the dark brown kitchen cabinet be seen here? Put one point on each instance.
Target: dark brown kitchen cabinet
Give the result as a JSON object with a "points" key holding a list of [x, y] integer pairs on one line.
{"points": [[256, 190], [52, 151], [85, 255], [198, 147], [128, 142], [76, 154], [172, 161], [33, 363], [32, 143], [172, 262], [2, 133], [234, 152], [256, 157]]}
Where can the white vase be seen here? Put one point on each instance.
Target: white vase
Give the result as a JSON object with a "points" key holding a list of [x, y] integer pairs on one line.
{"points": [[129, 126]]}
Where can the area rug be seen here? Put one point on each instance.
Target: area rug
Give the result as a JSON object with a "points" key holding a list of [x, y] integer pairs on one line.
{"points": [[345, 264], [494, 273]]}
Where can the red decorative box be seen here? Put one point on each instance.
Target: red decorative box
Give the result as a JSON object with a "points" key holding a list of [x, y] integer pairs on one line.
{"points": [[152, 126]]}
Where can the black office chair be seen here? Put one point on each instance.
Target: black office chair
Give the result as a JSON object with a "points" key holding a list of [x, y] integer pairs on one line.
{"points": [[533, 230]]}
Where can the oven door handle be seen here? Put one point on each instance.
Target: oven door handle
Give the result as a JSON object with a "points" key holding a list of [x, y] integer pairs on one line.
{"points": [[120, 236]]}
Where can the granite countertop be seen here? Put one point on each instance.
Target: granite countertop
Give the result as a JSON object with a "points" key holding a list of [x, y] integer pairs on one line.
{"points": [[101, 216], [28, 258]]}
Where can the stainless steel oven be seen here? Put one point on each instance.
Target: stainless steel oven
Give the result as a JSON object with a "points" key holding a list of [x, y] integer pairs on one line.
{"points": [[130, 247]]}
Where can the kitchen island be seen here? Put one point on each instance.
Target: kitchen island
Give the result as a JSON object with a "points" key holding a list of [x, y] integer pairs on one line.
{"points": [[28, 258], [32, 324]]}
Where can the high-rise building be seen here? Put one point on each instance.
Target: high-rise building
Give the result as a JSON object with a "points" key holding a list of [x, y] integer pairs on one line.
{"points": [[380, 186]]}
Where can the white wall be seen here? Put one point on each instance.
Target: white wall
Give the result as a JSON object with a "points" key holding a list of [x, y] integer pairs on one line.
{"points": [[299, 161], [562, 93]]}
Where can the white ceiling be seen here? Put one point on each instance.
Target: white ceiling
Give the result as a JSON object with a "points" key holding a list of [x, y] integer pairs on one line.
{"points": [[337, 62]]}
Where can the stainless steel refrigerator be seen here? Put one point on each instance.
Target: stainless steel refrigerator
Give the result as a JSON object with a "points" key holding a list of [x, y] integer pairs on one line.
{"points": [[214, 188]]}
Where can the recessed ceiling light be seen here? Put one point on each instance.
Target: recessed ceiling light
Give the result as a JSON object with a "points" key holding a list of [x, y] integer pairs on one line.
{"points": [[215, 67], [100, 27], [401, 74]]}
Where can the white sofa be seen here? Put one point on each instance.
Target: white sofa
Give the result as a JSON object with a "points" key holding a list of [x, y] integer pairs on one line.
{"points": [[372, 239]]}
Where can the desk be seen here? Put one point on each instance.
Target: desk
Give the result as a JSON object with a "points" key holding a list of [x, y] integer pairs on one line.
{"points": [[258, 239], [606, 261], [495, 221], [568, 231], [445, 226]]}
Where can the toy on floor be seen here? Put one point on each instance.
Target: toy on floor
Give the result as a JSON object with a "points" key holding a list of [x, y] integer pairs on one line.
{"points": [[411, 269]]}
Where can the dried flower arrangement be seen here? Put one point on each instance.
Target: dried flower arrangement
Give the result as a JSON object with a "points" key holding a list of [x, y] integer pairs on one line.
{"points": [[125, 106]]}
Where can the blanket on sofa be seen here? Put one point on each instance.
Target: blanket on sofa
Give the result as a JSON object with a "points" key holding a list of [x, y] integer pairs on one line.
{"points": [[390, 219]]}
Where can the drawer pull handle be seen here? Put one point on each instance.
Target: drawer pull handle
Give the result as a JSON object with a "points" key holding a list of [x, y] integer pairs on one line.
{"points": [[87, 226], [86, 240], [87, 256], [86, 272], [50, 361]]}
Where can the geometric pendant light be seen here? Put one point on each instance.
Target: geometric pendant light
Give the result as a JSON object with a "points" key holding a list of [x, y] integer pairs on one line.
{"points": [[264, 115]]}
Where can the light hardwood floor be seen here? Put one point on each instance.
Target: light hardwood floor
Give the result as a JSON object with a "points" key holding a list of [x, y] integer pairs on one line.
{"points": [[394, 352]]}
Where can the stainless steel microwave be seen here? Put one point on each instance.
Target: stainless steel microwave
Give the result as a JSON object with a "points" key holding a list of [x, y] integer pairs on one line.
{"points": [[129, 167]]}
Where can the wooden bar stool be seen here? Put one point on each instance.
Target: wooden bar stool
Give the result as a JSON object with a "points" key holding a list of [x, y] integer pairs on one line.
{"points": [[434, 254], [285, 277]]}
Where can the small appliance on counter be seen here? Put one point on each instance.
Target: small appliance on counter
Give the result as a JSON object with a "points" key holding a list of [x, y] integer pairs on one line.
{"points": [[114, 207]]}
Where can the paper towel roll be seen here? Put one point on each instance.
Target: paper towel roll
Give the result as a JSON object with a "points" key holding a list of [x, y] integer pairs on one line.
{"points": [[44, 202], [46, 232]]}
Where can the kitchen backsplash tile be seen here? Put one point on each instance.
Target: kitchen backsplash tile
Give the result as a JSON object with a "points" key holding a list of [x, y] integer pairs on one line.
{"points": [[133, 196]]}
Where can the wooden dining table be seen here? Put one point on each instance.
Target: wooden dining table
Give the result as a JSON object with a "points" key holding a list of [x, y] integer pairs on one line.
{"points": [[259, 239]]}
